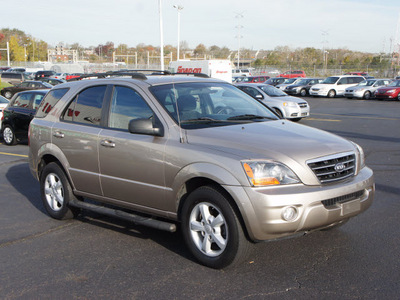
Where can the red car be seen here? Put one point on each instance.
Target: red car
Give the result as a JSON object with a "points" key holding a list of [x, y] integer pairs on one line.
{"points": [[254, 79], [391, 91], [293, 74]]}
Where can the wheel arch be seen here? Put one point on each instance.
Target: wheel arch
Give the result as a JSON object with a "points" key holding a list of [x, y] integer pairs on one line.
{"points": [[233, 192]]}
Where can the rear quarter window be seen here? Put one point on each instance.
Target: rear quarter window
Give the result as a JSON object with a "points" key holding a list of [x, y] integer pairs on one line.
{"points": [[49, 101]]}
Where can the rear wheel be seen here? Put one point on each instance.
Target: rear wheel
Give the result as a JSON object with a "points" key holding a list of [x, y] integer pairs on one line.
{"points": [[56, 192], [8, 94], [331, 94], [9, 136], [211, 229]]}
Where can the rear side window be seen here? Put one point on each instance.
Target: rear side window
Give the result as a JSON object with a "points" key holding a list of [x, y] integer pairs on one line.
{"points": [[86, 106], [22, 100], [49, 101]]}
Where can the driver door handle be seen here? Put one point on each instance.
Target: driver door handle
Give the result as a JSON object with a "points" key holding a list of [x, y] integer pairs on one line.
{"points": [[107, 143]]}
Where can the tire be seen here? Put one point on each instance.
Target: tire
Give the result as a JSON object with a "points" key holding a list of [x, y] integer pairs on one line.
{"points": [[367, 95], [331, 94], [8, 94], [56, 192], [295, 119], [398, 97], [279, 113], [9, 136], [211, 229], [303, 92]]}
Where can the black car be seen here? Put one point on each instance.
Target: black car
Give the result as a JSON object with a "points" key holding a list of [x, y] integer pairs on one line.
{"points": [[52, 81], [8, 92], [275, 80], [43, 74], [19, 113], [302, 87]]}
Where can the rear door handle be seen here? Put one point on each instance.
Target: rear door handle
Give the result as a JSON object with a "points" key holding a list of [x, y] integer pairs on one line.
{"points": [[58, 134], [107, 143]]}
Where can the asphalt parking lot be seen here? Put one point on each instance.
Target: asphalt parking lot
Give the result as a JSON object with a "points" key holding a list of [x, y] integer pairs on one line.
{"points": [[96, 257]]}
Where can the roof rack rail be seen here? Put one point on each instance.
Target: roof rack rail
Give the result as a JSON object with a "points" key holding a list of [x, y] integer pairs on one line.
{"points": [[194, 74]]}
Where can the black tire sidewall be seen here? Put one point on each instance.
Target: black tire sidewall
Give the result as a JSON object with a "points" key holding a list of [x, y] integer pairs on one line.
{"points": [[65, 212], [303, 92], [331, 94], [211, 195]]}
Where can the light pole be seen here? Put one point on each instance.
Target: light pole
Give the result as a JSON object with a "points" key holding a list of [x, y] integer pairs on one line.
{"points": [[161, 37], [178, 8], [238, 16]]}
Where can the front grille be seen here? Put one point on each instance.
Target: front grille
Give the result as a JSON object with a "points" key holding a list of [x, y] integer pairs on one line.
{"points": [[342, 199], [303, 104], [334, 169]]}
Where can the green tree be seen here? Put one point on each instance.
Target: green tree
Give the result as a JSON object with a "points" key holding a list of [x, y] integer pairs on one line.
{"points": [[17, 52]]}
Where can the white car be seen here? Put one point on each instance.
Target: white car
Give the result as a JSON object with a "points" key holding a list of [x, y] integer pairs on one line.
{"points": [[365, 89], [3, 104], [285, 106], [335, 85]]}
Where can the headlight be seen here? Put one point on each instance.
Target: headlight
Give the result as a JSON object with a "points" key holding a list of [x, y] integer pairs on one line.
{"points": [[264, 173], [390, 91], [290, 104], [361, 155]]}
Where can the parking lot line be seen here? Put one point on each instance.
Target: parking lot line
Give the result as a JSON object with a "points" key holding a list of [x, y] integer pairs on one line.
{"points": [[13, 154], [358, 117], [325, 120]]}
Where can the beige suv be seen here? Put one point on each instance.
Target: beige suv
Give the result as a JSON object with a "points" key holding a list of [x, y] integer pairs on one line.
{"points": [[161, 150]]}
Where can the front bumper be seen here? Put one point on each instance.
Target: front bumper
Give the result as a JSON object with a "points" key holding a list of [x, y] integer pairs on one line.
{"points": [[354, 94], [264, 217], [318, 93], [297, 112]]}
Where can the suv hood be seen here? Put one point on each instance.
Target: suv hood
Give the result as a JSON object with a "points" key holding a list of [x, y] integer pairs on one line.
{"points": [[281, 140]]}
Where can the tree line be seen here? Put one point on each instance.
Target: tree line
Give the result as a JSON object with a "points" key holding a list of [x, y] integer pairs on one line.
{"points": [[24, 47]]}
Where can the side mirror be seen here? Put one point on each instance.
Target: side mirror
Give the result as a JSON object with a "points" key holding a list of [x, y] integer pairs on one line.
{"points": [[146, 126], [259, 97]]}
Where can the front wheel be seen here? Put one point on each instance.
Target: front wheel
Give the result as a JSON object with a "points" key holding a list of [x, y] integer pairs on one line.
{"points": [[303, 92], [211, 229], [331, 94], [367, 95], [56, 192]]}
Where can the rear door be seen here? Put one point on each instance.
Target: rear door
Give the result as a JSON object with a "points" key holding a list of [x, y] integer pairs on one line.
{"points": [[131, 165], [77, 135]]}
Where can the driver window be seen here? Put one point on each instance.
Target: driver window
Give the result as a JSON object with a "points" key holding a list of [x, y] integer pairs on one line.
{"points": [[127, 105]]}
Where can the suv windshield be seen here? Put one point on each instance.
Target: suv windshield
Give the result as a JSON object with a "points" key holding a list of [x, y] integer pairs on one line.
{"points": [[199, 105], [330, 80]]}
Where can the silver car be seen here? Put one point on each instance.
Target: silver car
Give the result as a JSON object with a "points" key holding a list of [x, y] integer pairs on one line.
{"points": [[166, 149], [365, 89], [288, 82], [285, 106]]}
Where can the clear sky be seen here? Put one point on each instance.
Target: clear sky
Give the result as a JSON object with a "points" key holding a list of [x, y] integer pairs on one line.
{"points": [[364, 25]]}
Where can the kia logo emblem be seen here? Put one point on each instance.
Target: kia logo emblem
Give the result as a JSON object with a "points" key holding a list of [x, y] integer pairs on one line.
{"points": [[340, 167]]}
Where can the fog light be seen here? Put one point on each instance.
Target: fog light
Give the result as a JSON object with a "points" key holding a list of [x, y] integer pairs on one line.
{"points": [[289, 213]]}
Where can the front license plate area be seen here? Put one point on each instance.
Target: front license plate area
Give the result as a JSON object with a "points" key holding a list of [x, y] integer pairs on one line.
{"points": [[350, 207]]}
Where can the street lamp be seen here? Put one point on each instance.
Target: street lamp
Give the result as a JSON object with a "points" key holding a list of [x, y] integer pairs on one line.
{"points": [[161, 35], [178, 8]]}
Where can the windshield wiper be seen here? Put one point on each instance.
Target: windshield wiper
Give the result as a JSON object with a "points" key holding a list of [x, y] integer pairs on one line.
{"points": [[249, 117], [202, 119]]}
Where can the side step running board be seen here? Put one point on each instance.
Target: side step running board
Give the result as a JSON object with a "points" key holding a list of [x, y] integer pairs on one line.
{"points": [[136, 219]]}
